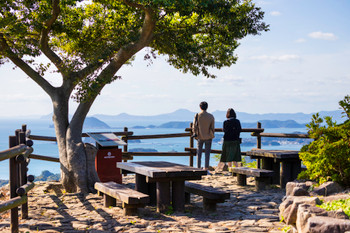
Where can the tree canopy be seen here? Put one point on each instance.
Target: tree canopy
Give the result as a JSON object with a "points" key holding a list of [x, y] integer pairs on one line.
{"points": [[87, 42], [85, 36]]}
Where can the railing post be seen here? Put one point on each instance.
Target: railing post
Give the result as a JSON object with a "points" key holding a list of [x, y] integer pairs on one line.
{"points": [[14, 184], [23, 170], [191, 145], [258, 142], [125, 148]]}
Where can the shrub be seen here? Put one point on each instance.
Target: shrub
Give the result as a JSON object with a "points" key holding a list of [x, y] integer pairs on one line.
{"points": [[337, 205], [328, 156]]}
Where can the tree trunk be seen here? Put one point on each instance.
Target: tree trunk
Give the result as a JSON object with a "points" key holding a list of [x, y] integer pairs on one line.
{"points": [[78, 173]]}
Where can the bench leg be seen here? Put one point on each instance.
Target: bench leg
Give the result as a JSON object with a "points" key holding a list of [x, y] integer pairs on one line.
{"points": [[261, 183], [152, 192], [241, 179], [131, 210], [178, 195], [187, 198], [209, 204], [109, 201], [286, 174], [99, 193], [163, 196], [140, 184]]}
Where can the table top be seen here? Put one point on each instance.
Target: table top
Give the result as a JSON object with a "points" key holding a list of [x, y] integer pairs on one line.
{"points": [[107, 139], [277, 154], [161, 169]]}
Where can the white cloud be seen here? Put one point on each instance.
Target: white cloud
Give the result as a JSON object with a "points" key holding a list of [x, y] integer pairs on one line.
{"points": [[300, 40], [275, 13], [322, 35], [281, 58]]}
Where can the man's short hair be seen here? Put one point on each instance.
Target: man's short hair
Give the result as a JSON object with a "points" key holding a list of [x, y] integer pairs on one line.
{"points": [[203, 105]]}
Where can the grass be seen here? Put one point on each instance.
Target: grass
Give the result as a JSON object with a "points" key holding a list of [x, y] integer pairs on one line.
{"points": [[343, 204]]}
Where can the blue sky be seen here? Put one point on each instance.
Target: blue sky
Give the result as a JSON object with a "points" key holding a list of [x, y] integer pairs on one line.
{"points": [[300, 65]]}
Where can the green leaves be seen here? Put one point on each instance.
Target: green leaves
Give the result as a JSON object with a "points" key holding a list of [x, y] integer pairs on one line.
{"points": [[328, 156], [196, 35], [342, 204]]}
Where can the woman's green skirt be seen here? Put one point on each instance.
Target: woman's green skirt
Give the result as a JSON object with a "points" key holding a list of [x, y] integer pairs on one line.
{"points": [[231, 151]]}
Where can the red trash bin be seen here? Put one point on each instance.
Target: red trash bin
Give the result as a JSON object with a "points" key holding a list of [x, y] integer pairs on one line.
{"points": [[106, 164]]}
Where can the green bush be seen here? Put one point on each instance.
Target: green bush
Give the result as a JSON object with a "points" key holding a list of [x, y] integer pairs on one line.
{"points": [[337, 205], [328, 156]]}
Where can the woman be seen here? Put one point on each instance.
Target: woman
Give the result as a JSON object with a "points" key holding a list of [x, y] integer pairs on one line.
{"points": [[231, 149]]}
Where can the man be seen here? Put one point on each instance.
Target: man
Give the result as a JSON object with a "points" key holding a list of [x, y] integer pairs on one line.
{"points": [[203, 128]]}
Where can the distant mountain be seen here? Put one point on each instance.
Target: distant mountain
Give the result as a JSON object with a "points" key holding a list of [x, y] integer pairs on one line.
{"points": [[178, 115], [175, 124], [298, 117], [47, 176], [275, 124], [93, 123], [3, 182], [264, 123], [184, 115]]}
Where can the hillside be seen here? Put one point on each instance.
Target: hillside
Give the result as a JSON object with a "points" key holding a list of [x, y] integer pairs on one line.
{"points": [[184, 115], [264, 123]]}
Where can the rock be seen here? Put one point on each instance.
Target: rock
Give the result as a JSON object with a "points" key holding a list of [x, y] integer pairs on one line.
{"points": [[340, 214], [299, 191], [321, 224], [327, 189], [286, 202], [290, 186], [306, 211], [336, 197], [289, 214]]}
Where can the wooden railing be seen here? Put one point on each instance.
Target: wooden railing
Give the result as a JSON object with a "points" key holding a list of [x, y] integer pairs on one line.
{"points": [[20, 184], [20, 150], [190, 151]]}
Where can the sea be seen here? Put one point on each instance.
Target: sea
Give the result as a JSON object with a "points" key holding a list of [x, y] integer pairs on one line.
{"points": [[42, 128]]}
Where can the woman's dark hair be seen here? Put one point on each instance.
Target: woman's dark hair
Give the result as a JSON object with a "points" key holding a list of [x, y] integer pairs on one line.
{"points": [[203, 105], [231, 113]]}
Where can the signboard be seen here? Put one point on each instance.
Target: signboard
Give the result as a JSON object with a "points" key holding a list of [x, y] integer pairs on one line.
{"points": [[107, 139]]}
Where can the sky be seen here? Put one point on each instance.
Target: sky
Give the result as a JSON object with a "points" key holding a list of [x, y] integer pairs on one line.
{"points": [[300, 65]]}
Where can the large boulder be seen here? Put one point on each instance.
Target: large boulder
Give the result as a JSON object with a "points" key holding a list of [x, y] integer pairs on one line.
{"points": [[327, 189], [321, 224], [305, 211], [336, 197], [289, 207], [294, 187]]}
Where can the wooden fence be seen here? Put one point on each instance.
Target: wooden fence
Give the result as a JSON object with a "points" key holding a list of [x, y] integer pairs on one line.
{"points": [[20, 150], [18, 153], [190, 151]]}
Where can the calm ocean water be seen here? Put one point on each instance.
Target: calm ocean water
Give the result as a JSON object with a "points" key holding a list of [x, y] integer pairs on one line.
{"points": [[41, 127]]}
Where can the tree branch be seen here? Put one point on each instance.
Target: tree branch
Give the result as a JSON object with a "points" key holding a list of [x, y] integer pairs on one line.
{"points": [[35, 76], [146, 36], [44, 40], [133, 4], [126, 52]]}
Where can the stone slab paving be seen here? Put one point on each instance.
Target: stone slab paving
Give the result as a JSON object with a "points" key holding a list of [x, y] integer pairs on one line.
{"points": [[50, 210]]}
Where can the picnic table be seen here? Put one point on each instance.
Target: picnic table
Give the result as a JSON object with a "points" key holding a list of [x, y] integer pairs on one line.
{"points": [[272, 159], [157, 178]]}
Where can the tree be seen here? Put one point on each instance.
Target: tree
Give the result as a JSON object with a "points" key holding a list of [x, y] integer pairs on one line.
{"points": [[87, 42], [328, 156]]}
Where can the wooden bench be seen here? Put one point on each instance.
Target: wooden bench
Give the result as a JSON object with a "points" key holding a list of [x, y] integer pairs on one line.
{"points": [[131, 199], [211, 195], [262, 176]]}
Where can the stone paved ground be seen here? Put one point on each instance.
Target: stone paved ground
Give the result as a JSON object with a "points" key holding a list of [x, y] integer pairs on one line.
{"points": [[50, 210]]}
